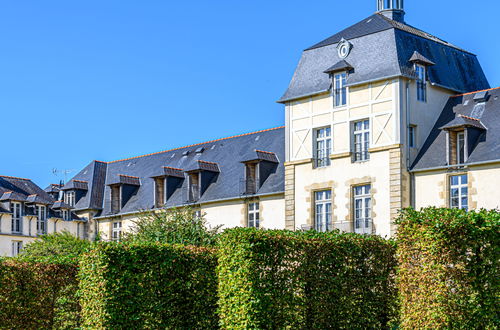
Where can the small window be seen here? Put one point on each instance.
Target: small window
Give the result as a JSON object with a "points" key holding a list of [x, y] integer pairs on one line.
{"points": [[116, 198], [251, 178], [41, 219], [361, 131], [116, 234], [461, 148], [323, 210], [362, 209], [253, 215], [194, 187], [16, 210], [421, 82], [160, 192], [339, 89], [66, 215], [459, 192], [323, 146], [412, 136], [69, 198], [17, 246]]}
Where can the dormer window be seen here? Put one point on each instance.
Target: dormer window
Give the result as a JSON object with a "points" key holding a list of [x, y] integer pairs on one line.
{"points": [[259, 165], [65, 214], [122, 189], [200, 176], [194, 187], [70, 198], [16, 210], [460, 148], [339, 89], [41, 219], [421, 73], [116, 200], [166, 183], [251, 178]]}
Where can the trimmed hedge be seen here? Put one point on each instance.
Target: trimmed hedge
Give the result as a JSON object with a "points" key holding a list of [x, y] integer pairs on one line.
{"points": [[283, 279], [36, 295], [148, 286], [449, 269]]}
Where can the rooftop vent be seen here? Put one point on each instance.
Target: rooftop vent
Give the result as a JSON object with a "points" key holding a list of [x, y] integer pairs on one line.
{"points": [[200, 150], [185, 153], [481, 96]]}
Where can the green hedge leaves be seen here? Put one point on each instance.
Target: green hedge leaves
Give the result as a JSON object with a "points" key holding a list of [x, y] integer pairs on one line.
{"points": [[282, 279], [449, 269], [148, 287]]}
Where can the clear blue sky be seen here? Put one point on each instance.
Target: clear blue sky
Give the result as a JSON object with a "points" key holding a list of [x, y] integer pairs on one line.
{"points": [[109, 79]]}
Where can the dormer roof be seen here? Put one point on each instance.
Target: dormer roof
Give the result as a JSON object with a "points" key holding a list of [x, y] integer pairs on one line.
{"points": [[76, 185], [421, 59], [12, 196], [463, 121], [261, 155], [61, 205], [123, 179], [339, 66]]}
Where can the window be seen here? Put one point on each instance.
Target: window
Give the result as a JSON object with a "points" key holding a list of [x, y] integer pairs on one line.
{"points": [[459, 192], [412, 136], [41, 219], [116, 198], [461, 148], [251, 178], [194, 187], [16, 210], [69, 198], [421, 83], [17, 246], [66, 215], [362, 209], [339, 89], [160, 192], [323, 146], [323, 210], [361, 140], [116, 233], [253, 215]]}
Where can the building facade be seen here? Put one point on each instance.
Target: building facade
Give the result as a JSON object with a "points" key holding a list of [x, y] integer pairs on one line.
{"points": [[378, 117], [27, 211]]}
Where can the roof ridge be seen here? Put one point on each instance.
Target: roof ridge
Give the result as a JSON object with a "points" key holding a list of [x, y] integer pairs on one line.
{"points": [[471, 118], [14, 177], [197, 144], [470, 93]]}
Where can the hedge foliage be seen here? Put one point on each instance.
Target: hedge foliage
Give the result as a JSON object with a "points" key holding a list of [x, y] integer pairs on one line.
{"points": [[35, 295], [148, 287], [281, 279], [449, 269]]}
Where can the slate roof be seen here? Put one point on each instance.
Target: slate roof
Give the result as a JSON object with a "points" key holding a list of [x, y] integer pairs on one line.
{"points": [[460, 109], [224, 155], [20, 189], [61, 205], [382, 48], [53, 188]]}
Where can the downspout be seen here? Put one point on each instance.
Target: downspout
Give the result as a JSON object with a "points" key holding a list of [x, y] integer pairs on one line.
{"points": [[1, 216], [412, 175]]}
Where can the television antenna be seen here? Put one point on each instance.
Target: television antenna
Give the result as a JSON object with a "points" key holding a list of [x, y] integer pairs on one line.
{"points": [[65, 173]]}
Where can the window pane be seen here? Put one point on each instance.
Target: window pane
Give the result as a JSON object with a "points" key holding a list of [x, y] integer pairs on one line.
{"points": [[464, 179], [454, 180]]}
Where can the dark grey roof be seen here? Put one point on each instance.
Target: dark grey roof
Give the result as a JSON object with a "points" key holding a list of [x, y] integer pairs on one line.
{"points": [[487, 144], [170, 171], [382, 48], [53, 188], [18, 189], [126, 179], [202, 165], [463, 121], [60, 205], [340, 65], [36, 199], [226, 153], [419, 58], [261, 155], [76, 184]]}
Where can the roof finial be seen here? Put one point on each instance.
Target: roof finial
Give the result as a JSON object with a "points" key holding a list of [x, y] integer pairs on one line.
{"points": [[392, 9]]}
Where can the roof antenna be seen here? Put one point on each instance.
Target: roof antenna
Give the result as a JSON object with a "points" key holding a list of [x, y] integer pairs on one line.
{"points": [[56, 172]]}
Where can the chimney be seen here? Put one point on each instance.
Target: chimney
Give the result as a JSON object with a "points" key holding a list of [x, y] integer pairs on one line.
{"points": [[392, 9]]}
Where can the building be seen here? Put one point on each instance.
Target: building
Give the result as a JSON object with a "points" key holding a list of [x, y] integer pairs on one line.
{"points": [[360, 110], [27, 211], [237, 181], [378, 117]]}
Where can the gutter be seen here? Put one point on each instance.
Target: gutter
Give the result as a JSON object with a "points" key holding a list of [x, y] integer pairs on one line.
{"points": [[447, 167]]}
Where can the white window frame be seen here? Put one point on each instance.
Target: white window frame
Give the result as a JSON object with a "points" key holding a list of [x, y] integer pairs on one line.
{"points": [[17, 246], [323, 210], [421, 72], [460, 199], [65, 214], [459, 153], [361, 140], [70, 198], [362, 204], [322, 146], [116, 230], [253, 215], [17, 217], [339, 89], [41, 219]]}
